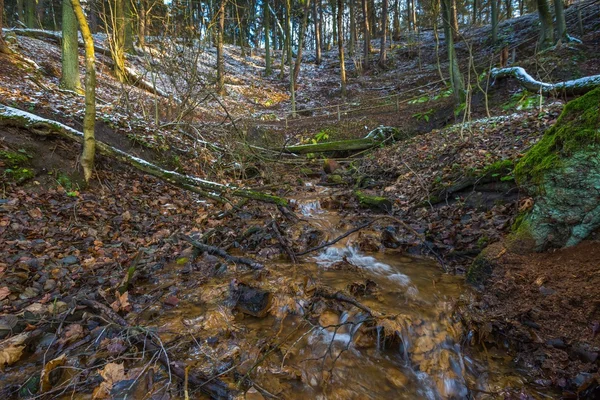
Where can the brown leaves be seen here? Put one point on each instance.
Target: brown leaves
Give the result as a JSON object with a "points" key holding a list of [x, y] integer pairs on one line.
{"points": [[52, 373], [11, 349], [121, 303], [4, 292], [111, 373]]}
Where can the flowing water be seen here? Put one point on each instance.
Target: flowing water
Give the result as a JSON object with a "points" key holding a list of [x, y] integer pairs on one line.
{"points": [[409, 347]]}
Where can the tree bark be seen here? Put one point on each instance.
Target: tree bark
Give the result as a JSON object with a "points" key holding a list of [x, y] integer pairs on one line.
{"points": [[317, 22], [89, 120], [69, 78], [301, 35], [129, 22], [455, 75], [546, 29], [288, 51], [340, 32], [30, 14], [384, 29], [45, 127], [4, 49], [117, 38], [494, 13], [396, 22], [572, 87], [352, 43], [220, 61], [267, 26], [366, 35], [561, 24]]}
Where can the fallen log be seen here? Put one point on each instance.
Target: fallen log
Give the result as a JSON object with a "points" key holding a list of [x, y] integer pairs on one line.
{"points": [[340, 145], [572, 87], [41, 126]]}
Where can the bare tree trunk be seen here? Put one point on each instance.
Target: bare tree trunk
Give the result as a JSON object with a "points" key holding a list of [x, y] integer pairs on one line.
{"points": [[352, 43], [455, 75], [220, 61], [69, 78], [396, 22], [117, 38], [30, 14], [317, 22], [128, 28], [494, 13], [288, 51], [561, 24], [546, 29], [340, 30], [301, 35], [142, 24], [366, 35], [384, 29], [89, 120], [267, 26], [4, 49], [454, 19]]}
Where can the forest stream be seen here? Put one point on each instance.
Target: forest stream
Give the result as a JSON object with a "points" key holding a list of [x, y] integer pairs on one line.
{"points": [[408, 342]]}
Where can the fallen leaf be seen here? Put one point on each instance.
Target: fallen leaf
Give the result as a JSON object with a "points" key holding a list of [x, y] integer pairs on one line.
{"points": [[4, 292], [11, 349], [111, 373], [50, 373], [121, 303]]}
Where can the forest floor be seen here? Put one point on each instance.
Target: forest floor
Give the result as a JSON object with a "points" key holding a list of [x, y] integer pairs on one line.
{"points": [[450, 185]]}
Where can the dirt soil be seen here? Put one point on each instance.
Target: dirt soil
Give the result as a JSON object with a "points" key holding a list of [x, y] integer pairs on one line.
{"points": [[546, 306]]}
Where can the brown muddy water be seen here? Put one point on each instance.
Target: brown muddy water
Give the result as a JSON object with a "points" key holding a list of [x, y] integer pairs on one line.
{"points": [[410, 346]]}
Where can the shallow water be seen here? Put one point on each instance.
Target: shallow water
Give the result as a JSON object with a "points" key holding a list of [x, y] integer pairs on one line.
{"points": [[328, 349]]}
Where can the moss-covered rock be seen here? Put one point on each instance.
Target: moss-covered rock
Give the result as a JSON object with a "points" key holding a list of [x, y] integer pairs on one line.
{"points": [[562, 172], [15, 166], [482, 267], [377, 203]]}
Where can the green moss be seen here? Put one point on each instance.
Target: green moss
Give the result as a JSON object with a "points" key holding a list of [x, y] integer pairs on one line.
{"points": [[14, 158], [480, 270], [577, 128], [335, 179], [19, 174], [373, 202]]}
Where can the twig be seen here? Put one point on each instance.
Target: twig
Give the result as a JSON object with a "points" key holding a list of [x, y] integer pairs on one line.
{"points": [[337, 239], [283, 242], [215, 251], [339, 296]]}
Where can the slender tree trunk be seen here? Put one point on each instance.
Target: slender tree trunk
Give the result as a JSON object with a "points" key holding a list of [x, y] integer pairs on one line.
{"points": [[384, 29], [340, 30], [30, 14], [333, 4], [494, 13], [288, 49], [142, 24], [69, 78], [454, 19], [509, 11], [301, 35], [93, 16], [266, 23], [317, 22], [455, 75], [546, 29], [89, 120], [352, 42], [4, 49], [40, 13], [372, 19], [366, 35], [129, 22], [396, 22], [220, 61], [475, 9], [20, 12], [561, 24], [117, 46]]}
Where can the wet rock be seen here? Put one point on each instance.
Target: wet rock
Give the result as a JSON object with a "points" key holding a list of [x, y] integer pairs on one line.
{"points": [[376, 203], [546, 291], [330, 165], [359, 289], [328, 318], [250, 300], [556, 343], [389, 239], [582, 353], [70, 260], [50, 285], [396, 378], [253, 394]]}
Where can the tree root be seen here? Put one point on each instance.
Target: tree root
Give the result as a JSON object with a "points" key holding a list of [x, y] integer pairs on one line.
{"points": [[215, 251]]}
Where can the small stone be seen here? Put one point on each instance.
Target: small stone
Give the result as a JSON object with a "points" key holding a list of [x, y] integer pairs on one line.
{"points": [[396, 378], [70, 260], [556, 343], [253, 394], [50, 285], [546, 291]]}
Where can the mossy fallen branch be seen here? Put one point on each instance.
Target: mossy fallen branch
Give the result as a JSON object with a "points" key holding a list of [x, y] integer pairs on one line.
{"points": [[572, 87], [41, 126], [340, 145]]}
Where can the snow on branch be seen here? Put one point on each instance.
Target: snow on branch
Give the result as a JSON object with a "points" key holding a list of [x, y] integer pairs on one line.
{"points": [[576, 86]]}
